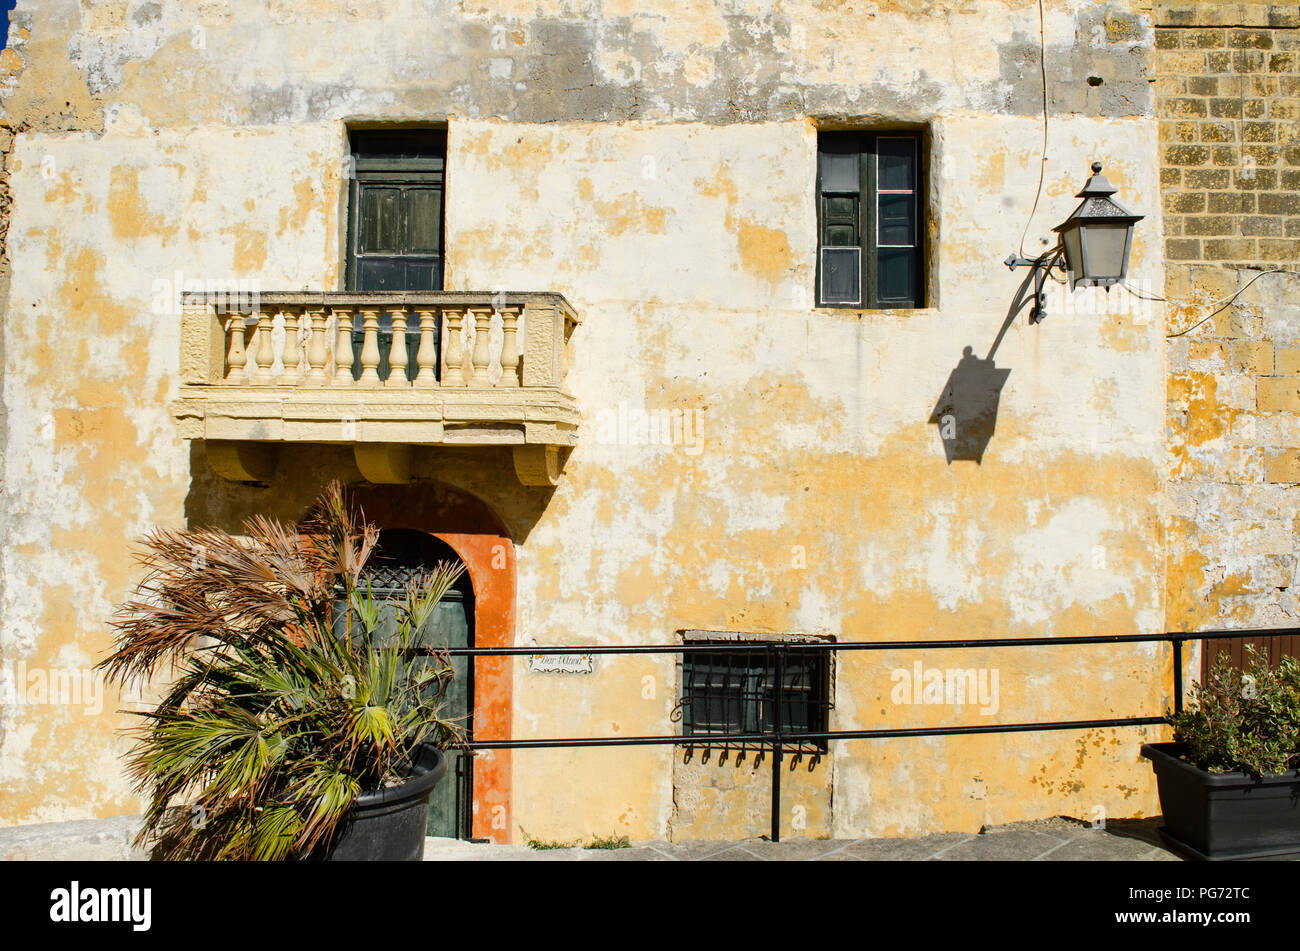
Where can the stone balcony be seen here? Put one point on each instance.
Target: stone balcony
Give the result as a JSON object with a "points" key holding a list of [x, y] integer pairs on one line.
{"points": [[471, 369]]}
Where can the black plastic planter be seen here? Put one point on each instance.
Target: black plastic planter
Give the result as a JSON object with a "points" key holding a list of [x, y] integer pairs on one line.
{"points": [[388, 825], [1219, 816]]}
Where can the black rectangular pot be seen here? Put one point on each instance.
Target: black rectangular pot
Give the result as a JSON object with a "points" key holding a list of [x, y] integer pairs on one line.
{"points": [[1219, 816]]}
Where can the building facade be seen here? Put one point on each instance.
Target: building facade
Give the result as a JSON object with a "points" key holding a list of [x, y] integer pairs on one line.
{"points": [[690, 297]]}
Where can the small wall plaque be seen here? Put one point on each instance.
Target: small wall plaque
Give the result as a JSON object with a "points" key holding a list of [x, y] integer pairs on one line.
{"points": [[561, 663]]}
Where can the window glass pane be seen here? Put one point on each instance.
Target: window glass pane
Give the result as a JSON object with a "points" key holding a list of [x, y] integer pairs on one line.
{"points": [[841, 275], [380, 219], [428, 144], [896, 162], [895, 224], [840, 172], [896, 276], [422, 274], [423, 220], [379, 274]]}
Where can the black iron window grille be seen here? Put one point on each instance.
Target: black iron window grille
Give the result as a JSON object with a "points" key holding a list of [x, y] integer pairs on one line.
{"points": [[779, 742], [734, 692]]}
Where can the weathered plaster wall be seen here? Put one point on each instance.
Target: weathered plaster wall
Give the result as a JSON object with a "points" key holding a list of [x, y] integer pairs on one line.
{"points": [[658, 170], [1229, 99], [814, 423]]}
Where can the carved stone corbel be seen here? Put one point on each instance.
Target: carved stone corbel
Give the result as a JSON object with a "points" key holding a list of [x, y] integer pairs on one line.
{"points": [[242, 461], [384, 463]]}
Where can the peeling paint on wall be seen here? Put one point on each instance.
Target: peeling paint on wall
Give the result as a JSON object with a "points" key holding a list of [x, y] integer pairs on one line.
{"points": [[658, 170]]}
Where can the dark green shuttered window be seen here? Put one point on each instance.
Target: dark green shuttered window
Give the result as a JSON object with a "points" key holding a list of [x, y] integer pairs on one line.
{"points": [[395, 211], [870, 219]]}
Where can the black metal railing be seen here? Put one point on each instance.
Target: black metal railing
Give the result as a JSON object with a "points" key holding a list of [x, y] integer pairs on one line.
{"points": [[777, 732]]}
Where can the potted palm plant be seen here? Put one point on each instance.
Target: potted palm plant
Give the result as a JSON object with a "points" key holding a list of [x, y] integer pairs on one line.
{"points": [[303, 718], [1228, 783]]}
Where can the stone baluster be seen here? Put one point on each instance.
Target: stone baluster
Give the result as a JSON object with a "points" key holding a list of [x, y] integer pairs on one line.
{"points": [[455, 356], [509, 347], [264, 355], [425, 357], [236, 356], [343, 348], [317, 355], [397, 356], [482, 326], [292, 347], [370, 349]]}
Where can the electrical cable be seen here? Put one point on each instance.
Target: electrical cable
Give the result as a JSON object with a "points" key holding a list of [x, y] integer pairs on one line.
{"points": [[1224, 301], [1042, 167]]}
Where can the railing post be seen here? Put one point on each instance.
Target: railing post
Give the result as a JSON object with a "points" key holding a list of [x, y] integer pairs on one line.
{"points": [[482, 317], [370, 347], [397, 355], [1178, 676], [343, 347], [317, 354], [236, 356], [509, 347], [778, 697], [291, 356], [426, 357], [264, 355], [454, 356]]}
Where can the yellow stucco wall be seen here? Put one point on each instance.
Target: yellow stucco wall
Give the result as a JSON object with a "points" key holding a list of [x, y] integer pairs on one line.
{"points": [[671, 200]]}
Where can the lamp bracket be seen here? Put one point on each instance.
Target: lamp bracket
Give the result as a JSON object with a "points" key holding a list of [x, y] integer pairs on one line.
{"points": [[1042, 266]]}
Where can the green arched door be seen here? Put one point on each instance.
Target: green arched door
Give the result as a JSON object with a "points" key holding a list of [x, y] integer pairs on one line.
{"points": [[399, 557], [452, 625]]}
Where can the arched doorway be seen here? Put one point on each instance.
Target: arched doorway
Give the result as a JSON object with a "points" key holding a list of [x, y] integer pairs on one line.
{"points": [[400, 557], [467, 527]]}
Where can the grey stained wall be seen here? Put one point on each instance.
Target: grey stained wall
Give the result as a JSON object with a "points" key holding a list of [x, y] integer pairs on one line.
{"points": [[567, 61]]}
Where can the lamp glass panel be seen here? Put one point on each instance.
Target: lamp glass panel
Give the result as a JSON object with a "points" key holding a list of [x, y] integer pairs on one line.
{"points": [[1073, 254], [1105, 243]]}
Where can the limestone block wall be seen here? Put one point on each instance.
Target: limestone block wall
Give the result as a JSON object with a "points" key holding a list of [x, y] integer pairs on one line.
{"points": [[1228, 96]]}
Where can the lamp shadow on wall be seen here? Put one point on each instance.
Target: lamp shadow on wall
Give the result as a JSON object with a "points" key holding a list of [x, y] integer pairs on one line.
{"points": [[966, 413]]}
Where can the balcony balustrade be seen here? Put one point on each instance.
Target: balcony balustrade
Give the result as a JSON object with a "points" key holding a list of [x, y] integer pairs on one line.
{"points": [[381, 372]]}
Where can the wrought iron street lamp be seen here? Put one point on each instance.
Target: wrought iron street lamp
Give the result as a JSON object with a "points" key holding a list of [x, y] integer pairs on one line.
{"points": [[1094, 243], [1098, 236]]}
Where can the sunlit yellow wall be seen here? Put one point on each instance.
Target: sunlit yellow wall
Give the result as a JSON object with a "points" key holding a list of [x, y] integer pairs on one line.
{"points": [[658, 170]]}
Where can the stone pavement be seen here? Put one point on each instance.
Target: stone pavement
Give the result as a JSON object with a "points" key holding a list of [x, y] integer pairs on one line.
{"points": [[1047, 840]]}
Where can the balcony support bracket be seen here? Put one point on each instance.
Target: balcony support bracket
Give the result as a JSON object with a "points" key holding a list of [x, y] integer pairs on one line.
{"points": [[537, 464], [384, 463], [242, 461]]}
